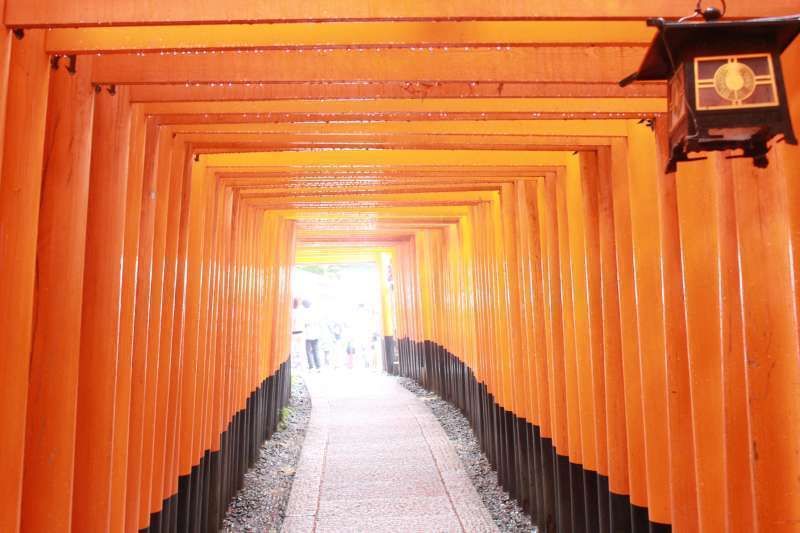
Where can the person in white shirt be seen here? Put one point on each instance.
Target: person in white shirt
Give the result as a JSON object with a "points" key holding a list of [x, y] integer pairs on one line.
{"points": [[311, 329]]}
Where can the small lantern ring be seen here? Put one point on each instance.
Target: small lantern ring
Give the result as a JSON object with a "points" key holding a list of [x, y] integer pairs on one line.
{"points": [[708, 14]]}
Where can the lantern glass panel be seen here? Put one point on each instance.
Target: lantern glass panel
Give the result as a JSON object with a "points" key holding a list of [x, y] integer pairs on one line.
{"points": [[735, 82]]}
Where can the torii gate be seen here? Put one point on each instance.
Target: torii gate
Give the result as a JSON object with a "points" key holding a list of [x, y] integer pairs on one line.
{"points": [[636, 332]]}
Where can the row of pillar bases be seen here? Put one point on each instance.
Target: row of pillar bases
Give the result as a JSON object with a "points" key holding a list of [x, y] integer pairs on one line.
{"points": [[203, 496], [559, 495]]}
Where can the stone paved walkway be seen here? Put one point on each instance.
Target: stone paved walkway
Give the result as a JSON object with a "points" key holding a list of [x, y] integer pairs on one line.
{"points": [[375, 459]]}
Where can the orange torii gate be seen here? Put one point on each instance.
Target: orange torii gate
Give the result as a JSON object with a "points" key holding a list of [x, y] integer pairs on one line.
{"points": [[625, 342]]}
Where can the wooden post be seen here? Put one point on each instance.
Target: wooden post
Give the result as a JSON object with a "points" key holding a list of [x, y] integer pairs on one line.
{"points": [[546, 206], [177, 390], [771, 342], [5, 56], [683, 480], [55, 353], [699, 214], [155, 381], [101, 313], [169, 358], [616, 437], [20, 187], [594, 488], [140, 384], [629, 335], [190, 415], [643, 195], [738, 489], [127, 387]]}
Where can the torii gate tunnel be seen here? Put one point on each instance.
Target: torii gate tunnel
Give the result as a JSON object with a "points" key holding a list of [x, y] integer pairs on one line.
{"points": [[625, 342]]}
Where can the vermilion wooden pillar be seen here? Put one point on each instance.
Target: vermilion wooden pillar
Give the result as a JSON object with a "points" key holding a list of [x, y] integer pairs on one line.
{"points": [[789, 159], [647, 278], [632, 391], [683, 482], [738, 471], [207, 302], [20, 185], [591, 164], [139, 374], [552, 294], [190, 413], [770, 328], [128, 388], [700, 208], [169, 358], [101, 313], [155, 380], [5, 50], [53, 385], [616, 437], [176, 383]]}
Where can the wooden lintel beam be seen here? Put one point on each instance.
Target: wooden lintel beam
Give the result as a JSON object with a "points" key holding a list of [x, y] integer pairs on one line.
{"points": [[465, 64], [29, 13], [382, 173], [378, 117], [269, 192], [358, 90], [358, 159], [421, 106], [601, 127], [425, 142], [396, 34], [242, 148]]}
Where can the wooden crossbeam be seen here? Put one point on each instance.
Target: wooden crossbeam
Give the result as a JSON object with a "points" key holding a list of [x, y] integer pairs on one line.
{"points": [[384, 34], [27, 13], [416, 105], [392, 158], [586, 64], [600, 127], [205, 92]]}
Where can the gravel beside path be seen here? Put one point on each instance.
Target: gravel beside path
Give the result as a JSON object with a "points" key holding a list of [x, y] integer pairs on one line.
{"points": [[261, 504], [505, 511]]}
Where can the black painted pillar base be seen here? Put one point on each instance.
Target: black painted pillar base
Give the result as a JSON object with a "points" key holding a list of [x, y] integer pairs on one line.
{"points": [[390, 358], [203, 495], [560, 496]]}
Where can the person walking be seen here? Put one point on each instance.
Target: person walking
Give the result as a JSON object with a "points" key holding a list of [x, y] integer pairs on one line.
{"points": [[311, 329]]}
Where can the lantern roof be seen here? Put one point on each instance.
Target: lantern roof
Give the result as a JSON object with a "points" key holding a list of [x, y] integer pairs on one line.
{"points": [[673, 37]]}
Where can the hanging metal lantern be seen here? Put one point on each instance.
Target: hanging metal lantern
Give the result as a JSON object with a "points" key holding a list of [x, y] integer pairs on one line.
{"points": [[725, 83]]}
